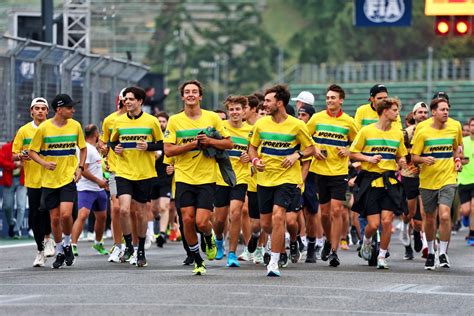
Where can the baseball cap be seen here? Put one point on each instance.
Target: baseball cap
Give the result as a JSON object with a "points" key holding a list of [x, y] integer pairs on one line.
{"points": [[62, 100], [441, 94], [377, 89], [419, 105], [305, 97], [40, 101], [121, 96], [308, 109]]}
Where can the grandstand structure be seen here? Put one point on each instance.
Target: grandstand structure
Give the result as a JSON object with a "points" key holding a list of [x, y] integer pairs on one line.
{"points": [[407, 80]]}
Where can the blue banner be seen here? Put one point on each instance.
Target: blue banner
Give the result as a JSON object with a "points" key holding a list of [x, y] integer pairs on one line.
{"points": [[382, 12]]}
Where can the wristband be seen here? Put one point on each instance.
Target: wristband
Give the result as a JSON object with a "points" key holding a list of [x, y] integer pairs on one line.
{"points": [[255, 159]]}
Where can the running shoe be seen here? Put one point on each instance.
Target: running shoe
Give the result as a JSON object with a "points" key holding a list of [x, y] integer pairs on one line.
{"points": [[465, 221], [283, 262], [40, 260], [258, 255], [99, 247], [252, 245], [232, 260], [126, 255], [133, 259], [59, 262], [326, 250], [199, 270], [333, 260], [344, 245], [189, 260], [220, 249], [49, 247], [430, 262], [424, 253], [295, 254], [354, 236], [245, 255], [90, 236], [300, 244], [444, 261], [272, 270], [382, 263], [115, 255], [417, 242], [408, 253], [211, 250], [141, 260], [317, 252], [470, 241], [404, 235], [366, 251], [70, 258], [311, 255], [266, 258], [74, 250], [160, 240]]}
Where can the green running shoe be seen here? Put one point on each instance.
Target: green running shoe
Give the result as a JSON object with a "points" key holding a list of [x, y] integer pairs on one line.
{"points": [[100, 248], [74, 251]]}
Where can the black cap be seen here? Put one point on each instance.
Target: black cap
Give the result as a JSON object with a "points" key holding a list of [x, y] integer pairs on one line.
{"points": [[308, 109], [289, 110], [377, 89], [62, 100], [441, 94]]}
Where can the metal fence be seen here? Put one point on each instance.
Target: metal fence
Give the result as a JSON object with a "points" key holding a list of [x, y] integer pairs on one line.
{"points": [[30, 69]]}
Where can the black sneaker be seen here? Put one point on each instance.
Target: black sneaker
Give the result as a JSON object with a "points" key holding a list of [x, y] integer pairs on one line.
{"points": [[283, 262], [326, 250], [70, 258], [408, 253], [188, 261], [11, 230], [141, 259], [417, 242], [295, 253], [456, 226], [266, 258], [311, 255], [253, 243], [354, 236], [444, 261], [333, 259], [59, 262], [127, 254], [430, 262], [160, 240]]}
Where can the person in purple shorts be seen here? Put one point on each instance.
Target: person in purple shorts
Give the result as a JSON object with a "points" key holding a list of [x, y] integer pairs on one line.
{"points": [[91, 193]]}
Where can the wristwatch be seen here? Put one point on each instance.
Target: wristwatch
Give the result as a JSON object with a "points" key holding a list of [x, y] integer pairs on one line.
{"points": [[301, 154], [81, 167]]}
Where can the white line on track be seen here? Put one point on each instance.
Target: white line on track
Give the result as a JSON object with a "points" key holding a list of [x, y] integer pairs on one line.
{"points": [[17, 245]]}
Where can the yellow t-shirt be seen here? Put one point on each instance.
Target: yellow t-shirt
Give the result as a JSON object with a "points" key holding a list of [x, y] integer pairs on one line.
{"points": [[134, 164], [451, 123], [21, 142], [107, 127], [329, 133], [276, 141], [440, 144], [240, 139], [372, 141], [58, 144], [366, 115], [193, 167]]}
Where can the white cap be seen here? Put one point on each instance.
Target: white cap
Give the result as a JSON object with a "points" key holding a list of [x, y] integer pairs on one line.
{"points": [[419, 105], [121, 96], [305, 97], [39, 100]]}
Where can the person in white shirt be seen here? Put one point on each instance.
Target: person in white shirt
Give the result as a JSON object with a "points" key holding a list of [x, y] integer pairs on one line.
{"points": [[91, 193]]}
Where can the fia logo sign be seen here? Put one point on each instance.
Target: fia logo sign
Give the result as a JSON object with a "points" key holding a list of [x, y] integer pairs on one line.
{"points": [[388, 11]]}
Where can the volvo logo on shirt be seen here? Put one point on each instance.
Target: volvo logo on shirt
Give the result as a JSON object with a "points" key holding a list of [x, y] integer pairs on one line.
{"points": [[382, 12]]}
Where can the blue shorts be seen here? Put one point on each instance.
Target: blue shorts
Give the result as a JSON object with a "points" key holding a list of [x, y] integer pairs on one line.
{"points": [[92, 200]]}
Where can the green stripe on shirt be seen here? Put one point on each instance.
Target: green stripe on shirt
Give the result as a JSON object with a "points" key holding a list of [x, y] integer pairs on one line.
{"points": [[277, 137]]}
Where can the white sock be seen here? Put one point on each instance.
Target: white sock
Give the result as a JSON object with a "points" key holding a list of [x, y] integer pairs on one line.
{"points": [[59, 248], [367, 241], [405, 227], [443, 246], [274, 258], [151, 227], [431, 247], [319, 242], [67, 240], [303, 239], [423, 240], [382, 253]]}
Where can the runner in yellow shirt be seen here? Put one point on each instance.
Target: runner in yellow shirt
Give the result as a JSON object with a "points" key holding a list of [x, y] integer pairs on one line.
{"points": [[54, 147], [195, 174]]}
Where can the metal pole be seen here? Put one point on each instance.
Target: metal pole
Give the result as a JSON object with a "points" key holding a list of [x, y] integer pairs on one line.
{"points": [[280, 65], [216, 83], [429, 76], [47, 10]]}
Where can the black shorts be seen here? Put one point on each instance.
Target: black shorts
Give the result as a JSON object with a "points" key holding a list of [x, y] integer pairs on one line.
{"points": [[225, 194], [197, 195], [411, 186], [138, 189], [466, 192], [283, 195], [51, 198], [377, 199], [310, 197], [331, 188], [161, 188], [254, 211], [297, 201]]}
